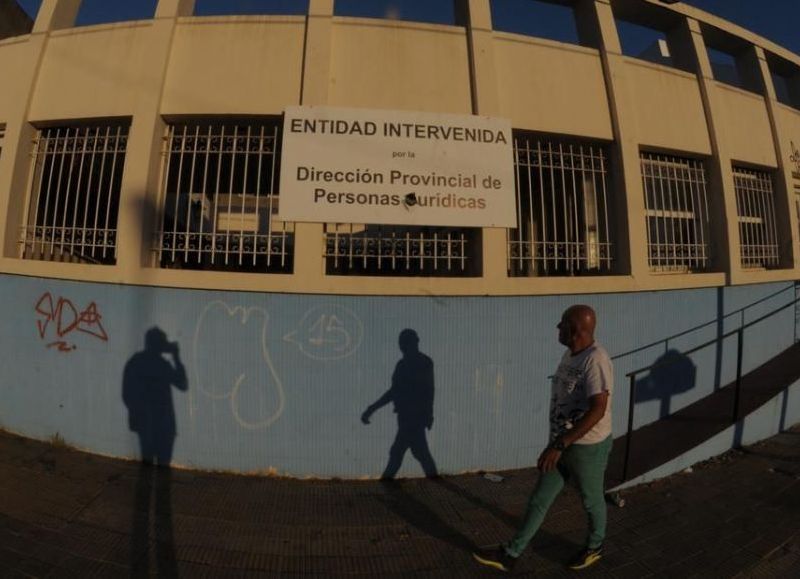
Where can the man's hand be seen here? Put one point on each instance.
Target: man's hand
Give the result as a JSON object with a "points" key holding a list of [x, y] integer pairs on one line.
{"points": [[365, 416], [548, 459]]}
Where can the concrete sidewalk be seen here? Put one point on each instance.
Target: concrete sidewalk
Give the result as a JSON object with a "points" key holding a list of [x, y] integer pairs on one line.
{"points": [[68, 514]]}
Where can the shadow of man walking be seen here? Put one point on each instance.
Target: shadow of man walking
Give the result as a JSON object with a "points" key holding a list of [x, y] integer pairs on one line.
{"points": [[412, 394], [147, 385]]}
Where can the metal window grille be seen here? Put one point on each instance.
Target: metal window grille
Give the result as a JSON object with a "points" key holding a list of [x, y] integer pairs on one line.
{"points": [[676, 213], [392, 250], [562, 209], [76, 178], [219, 198], [755, 207]]}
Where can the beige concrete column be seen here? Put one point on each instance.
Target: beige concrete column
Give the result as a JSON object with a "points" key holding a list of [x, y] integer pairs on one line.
{"points": [[722, 192], [485, 101], [15, 162], [596, 21], [140, 181], [788, 232], [56, 15], [174, 8], [309, 244]]}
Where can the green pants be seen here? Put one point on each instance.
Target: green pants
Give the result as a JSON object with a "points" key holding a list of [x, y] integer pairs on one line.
{"points": [[585, 464]]}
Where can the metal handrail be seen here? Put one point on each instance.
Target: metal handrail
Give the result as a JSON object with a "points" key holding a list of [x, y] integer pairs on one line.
{"points": [[701, 326], [737, 393]]}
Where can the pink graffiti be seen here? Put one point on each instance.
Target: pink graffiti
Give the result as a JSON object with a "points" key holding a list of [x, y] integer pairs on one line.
{"points": [[63, 318]]}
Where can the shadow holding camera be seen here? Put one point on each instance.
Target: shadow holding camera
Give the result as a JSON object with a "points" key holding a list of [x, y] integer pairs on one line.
{"points": [[147, 383]]}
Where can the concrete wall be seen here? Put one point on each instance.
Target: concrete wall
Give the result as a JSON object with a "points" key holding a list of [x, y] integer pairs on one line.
{"points": [[278, 382]]}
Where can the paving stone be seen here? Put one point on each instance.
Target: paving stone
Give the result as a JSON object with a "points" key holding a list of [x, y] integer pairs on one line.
{"points": [[68, 514]]}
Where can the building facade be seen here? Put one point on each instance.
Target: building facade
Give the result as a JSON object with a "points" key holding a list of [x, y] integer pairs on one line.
{"points": [[140, 185]]}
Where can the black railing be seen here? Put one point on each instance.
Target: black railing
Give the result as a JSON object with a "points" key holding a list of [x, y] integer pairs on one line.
{"points": [[666, 362], [739, 312]]}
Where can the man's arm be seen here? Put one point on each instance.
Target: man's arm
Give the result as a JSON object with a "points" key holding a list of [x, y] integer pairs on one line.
{"points": [[179, 379], [597, 409], [379, 403]]}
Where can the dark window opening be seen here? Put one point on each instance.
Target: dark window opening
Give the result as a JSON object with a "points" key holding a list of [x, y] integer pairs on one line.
{"points": [[250, 7], [430, 11], [537, 18], [105, 11]]}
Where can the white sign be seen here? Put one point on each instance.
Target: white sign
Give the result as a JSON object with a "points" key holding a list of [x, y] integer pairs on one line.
{"points": [[405, 168]]}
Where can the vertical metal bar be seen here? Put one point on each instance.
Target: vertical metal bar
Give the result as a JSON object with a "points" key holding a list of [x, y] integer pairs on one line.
{"points": [[510, 233], [90, 191], [565, 207], [737, 393], [67, 192], [629, 437], [698, 214], [544, 216], [215, 215], [760, 230], [692, 233], [178, 194], [645, 165], [603, 182], [189, 194], [685, 216], [258, 200], [104, 154], [575, 221], [58, 193], [206, 163], [742, 213], [111, 193], [773, 221], [532, 232], [553, 203], [78, 191], [272, 197], [244, 194], [230, 193]]}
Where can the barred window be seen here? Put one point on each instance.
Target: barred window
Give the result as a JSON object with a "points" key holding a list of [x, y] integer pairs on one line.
{"points": [[676, 210], [755, 207], [396, 250], [562, 209], [76, 179], [219, 198]]}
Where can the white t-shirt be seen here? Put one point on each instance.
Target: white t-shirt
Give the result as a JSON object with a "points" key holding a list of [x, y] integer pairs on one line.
{"points": [[577, 379]]}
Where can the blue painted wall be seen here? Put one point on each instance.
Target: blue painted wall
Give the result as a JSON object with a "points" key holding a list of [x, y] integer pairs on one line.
{"points": [[280, 381]]}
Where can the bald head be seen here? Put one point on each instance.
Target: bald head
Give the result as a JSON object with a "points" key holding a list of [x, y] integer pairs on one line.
{"points": [[576, 328]]}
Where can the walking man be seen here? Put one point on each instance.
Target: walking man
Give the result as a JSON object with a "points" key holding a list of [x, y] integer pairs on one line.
{"points": [[580, 441]]}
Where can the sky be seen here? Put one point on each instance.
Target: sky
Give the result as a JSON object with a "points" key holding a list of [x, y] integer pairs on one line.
{"points": [[778, 20]]}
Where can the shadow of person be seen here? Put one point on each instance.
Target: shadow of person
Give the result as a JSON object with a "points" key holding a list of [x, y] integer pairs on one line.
{"points": [[673, 373], [147, 384], [412, 394]]}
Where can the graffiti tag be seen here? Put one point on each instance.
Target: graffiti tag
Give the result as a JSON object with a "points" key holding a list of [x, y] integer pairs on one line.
{"points": [[327, 332], [62, 318]]}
